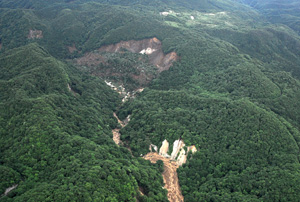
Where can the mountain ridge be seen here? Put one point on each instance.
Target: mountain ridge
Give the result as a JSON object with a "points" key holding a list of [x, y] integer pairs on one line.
{"points": [[233, 93]]}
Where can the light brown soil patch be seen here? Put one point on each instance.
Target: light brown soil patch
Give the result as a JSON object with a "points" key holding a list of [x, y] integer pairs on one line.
{"points": [[35, 34], [99, 64], [169, 175], [90, 59], [157, 57], [72, 48], [116, 136], [119, 121], [116, 132]]}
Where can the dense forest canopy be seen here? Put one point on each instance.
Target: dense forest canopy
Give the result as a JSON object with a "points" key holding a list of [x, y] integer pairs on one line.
{"points": [[233, 92]]}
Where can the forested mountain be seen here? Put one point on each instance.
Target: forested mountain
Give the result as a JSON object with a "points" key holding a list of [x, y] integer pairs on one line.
{"points": [[285, 12], [232, 91]]}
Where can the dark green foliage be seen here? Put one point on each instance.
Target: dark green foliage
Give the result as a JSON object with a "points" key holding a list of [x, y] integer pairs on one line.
{"points": [[276, 46], [56, 143], [285, 12], [8, 177], [233, 93]]}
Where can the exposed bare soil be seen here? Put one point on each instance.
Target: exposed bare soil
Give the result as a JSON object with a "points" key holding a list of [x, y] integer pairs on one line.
{"points": [[156, 55], [116, 132], [71, 90], [90, 59], [116, 136], [35, 34], [98, 62], [119, 121], [10, 189], [169, 175], [72, 48]]}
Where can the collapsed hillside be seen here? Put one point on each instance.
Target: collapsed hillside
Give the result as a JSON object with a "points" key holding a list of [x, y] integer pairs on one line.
{"points": [[171, 162], [128, 65], [233, 94], [56, 143], [151, 47], [169, 175]]}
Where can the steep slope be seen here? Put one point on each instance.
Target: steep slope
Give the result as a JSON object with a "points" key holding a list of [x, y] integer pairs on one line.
{"points": [[56, 141], [285, 12], [66, 24], [169, 175], [235, 140], [233, 94], [132, 65]]}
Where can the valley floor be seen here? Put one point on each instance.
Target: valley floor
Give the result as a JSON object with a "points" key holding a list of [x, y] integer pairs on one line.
{"points": [[169, 175]]}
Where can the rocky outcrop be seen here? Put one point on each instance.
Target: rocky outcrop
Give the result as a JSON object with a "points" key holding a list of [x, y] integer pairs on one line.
{"points": [[177, 146], [182, 156], [179, 152], [163, 151], [35, 34]]}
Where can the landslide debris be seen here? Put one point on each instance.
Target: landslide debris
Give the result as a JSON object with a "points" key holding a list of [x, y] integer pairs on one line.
{"points": [[35, 34], [130, 65], [171, 163], [169, 176], [151, 47], [72, 48], [116, 131], [9, 189], [179, 153]]}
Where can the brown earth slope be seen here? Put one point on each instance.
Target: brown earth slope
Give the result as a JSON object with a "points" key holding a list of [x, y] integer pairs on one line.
{"points": [[116, 131], [151, 47], [130, 64], [169, 175], [35, 34]]}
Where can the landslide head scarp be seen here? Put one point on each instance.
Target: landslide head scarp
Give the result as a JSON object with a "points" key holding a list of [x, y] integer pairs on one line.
{"points": [[151, 47], [132, 64]]}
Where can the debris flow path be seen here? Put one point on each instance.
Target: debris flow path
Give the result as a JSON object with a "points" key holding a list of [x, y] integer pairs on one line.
{"points": [[169, 175]]}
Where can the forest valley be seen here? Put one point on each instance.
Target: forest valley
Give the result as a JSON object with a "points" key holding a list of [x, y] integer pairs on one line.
{"points": [[152, 48], [149, 100]]}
